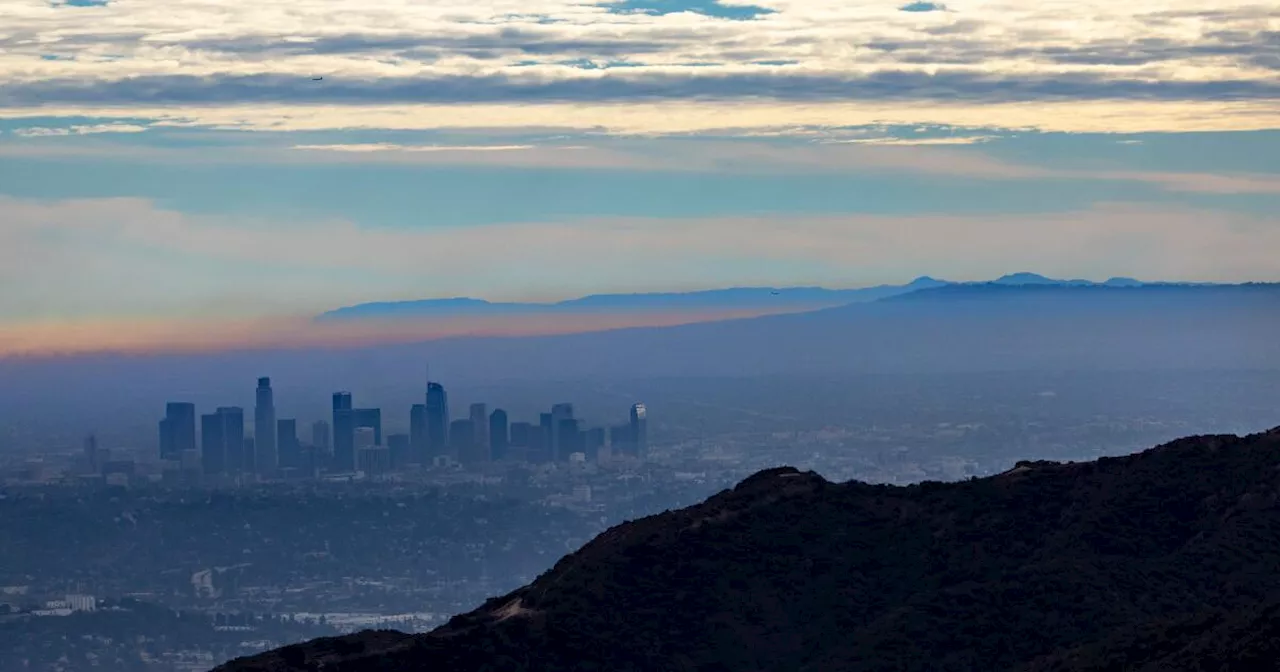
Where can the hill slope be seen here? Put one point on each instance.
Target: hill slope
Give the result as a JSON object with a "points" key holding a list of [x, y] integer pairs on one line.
{"points": [[1164, 560]]}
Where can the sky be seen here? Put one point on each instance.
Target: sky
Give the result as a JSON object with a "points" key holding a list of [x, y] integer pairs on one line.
{"points": [[212, 173]]}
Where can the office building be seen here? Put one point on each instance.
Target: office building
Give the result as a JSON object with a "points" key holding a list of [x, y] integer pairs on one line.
{"points": [[480, 421], [364, 438], [234, 449], [559, 413], [498, 436], [321, 436], [266, 455], [594, 442], [91, 463], [400, 448], [213, 450], [373, 460], [418, 451], [437, 419], [640, 431], [248, 459], [177, 430], [344, 432], [369, 418], [288, 448], [539, 450], [462, 440], [620, 441], [569, 438]]}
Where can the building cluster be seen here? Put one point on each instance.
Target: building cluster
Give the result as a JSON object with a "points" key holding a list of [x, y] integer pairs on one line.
{"points": [[353, 440]]}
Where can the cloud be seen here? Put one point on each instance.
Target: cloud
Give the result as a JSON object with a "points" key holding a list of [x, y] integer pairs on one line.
{"points": [[388, 147], [903, 142], [640, 85], [190, 55], [60, 131]]}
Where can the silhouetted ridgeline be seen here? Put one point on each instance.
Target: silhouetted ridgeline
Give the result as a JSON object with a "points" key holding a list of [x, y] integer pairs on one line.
{"points": [[1164, 560]]}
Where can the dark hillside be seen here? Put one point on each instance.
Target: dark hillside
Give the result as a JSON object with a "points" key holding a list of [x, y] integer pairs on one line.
{"points": [[1163, 560]]}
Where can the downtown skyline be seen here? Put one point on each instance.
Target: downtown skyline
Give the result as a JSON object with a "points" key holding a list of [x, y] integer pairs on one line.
{"points": [[215, 449]]}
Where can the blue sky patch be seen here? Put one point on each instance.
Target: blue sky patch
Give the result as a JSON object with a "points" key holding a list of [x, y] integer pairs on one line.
{"points": [[924, 7], [704, 7]]}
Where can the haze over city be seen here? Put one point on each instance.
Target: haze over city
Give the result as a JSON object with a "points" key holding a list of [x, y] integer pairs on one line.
{"points": [[640, 335]]}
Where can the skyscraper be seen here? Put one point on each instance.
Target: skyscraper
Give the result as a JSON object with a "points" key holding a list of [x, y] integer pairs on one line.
{"points": [[288, 450], [541, 448], [559, 413], [213, 449], [462, 435], [266, 455], [399, 447], [593, 442], [369, 418], [177, 430], [569, 436], [480, 424], [621, 441], [233, 441], [91, 454], [344, 433], [640, 430], [418, 452], [437, 419], [498, 438], [321, 436]]}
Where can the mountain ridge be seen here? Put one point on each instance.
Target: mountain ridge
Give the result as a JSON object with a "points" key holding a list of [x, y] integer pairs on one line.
{"points": [[773, 298], [1119, 563]]}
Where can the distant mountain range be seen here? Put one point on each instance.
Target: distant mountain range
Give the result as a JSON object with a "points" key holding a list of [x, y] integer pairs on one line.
{"points": [[1160, 561], [757, 299]]}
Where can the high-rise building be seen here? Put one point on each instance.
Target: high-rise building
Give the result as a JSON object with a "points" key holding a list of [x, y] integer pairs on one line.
{"points": [[418, 452], [399, 446], [498, 437], [594, 442], [321, 436], [620, 440], [569, 436], [177, 430], [234, 446], [369, 418], [91, 462], [249, 461], [213, 449], [539, 450], [520, 434], [559, 413], [640, 430], [344, 432], [480, 421], [462, 438], [288, 449], [266, 454], [437, 419], [545, 449]]}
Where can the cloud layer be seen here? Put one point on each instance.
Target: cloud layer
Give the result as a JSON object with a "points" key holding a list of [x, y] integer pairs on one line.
{"points": [[197, 54]]}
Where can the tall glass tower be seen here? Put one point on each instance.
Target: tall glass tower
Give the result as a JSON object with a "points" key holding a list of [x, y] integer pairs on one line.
{"points": [[266, 455]]}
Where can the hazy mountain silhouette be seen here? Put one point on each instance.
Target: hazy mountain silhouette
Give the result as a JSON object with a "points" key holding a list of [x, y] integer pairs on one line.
{"points": [[943, 330], [786, 299], [769, 298], [1164, 560]]}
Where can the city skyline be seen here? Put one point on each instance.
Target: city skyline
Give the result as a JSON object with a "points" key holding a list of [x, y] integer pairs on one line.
{"points": [[352, 440]]}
